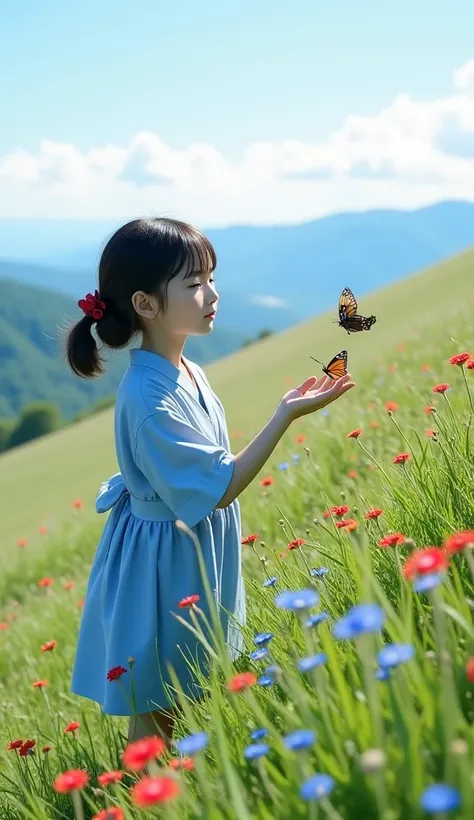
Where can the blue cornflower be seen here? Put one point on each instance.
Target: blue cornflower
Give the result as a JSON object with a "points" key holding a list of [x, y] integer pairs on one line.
{"points": [[295, 458], [359, 620], [394, 654], [265, 680], [317, 787], [283, 466], [192, 744], [319, 572], [257, 734], [297, 599], [256, 750], [383, 674], [427, 582], [270, 582], [306, 664], [259, 654], [272, 670], [440, 798], [315, 620], [301, 739], [263, 638]]}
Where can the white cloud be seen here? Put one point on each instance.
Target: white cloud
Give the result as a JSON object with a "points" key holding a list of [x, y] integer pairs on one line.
{"points": [[268, 301], [411, 153]]}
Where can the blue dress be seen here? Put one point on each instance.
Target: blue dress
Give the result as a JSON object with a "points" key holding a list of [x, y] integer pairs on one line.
{"points": [[175, 463]]}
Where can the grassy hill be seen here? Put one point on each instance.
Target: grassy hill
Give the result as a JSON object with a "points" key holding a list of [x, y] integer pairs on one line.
{"points": [[39, 481]]}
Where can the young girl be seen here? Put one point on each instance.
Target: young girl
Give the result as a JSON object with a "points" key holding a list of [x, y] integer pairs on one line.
{"points": [[156, 281]]}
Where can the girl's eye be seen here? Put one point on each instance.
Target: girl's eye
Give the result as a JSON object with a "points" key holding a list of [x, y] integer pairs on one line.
{"points": [[196, 285]]}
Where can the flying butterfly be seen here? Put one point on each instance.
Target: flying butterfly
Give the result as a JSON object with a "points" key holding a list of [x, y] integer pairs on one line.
{"points": [[349, 319], [337, 367]]}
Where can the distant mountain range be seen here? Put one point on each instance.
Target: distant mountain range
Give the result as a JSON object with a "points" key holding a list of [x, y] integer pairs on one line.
{"points": [[268, 277]]}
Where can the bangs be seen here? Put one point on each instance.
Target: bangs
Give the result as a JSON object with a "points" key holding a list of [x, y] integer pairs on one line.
{"points": [[195, 254]]}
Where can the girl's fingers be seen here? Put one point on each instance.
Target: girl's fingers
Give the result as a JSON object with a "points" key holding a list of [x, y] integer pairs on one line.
{"points": [[308, 384]]}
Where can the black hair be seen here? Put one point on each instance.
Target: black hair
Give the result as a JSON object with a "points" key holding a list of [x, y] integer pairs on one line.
{"points": [[145, 254]]}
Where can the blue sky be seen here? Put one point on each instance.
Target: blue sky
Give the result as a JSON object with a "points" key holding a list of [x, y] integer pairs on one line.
{"points": [[227, 74]]}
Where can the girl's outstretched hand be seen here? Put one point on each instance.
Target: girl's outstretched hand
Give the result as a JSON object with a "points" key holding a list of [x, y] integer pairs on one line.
{"points": [[314, 394]]}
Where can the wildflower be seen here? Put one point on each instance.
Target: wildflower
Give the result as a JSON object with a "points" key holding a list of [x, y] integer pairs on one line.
{"points": [[394, 539], [374, 424], [470, 670], [283, 466], [140, 752], [427, 582], [295, 458], [374, 513], [353, 474], [394, 654], [45, 582], [81, 603], [241, 681], [297, 599], [460, 359], [257, 734], [372, 760], [298, 542], [301, 739], [69, 585], [383, 674], [424, 562], [48, 646], [319, 572], [3, 626], [348, 524], [22, 542], [459, 541], [151, 790], [431, 434], [249, 539], [46, 749], [259, 654], [27, 748], [108, 778], [265, 680], [401, 458], [359, 620], [116, 673], [192, 744], [70, 781], [189, 601], [338, 511], [391, 406], [256, 750], [78, 504], [14, 745], [439, 798], [42, 529], [71, 727], [270, 582], [441, 388], [355, 433], [429, 409], [39, 684], [315, 620], [317, 787], [186, 763], [111, 813], [263, 638], [425, 368], [470, 365], [267, 482], [300, 438], [306, 664]]}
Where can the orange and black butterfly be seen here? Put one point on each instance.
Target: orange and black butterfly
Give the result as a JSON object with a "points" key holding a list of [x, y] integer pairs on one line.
{"points": [[337, 367], [349, 319]]}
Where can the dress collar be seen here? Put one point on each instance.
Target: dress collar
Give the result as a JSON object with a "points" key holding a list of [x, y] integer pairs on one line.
{"points": [[156, 362]]}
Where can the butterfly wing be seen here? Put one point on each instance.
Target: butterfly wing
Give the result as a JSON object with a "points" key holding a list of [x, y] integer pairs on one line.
{"points": [[355, 324], [337, 367], [347, 305]]}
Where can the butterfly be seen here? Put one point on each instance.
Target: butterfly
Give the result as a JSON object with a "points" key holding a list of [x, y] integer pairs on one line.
{"points": [[349, 319], [337, 367]]}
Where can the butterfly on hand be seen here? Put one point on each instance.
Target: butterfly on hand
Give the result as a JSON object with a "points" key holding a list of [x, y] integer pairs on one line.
{"points": [[349, 319], [337, 367]]}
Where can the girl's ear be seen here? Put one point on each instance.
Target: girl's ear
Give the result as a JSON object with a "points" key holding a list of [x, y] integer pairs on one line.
{"points": [[145, 305]]}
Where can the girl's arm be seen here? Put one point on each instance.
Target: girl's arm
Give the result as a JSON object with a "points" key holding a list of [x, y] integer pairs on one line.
{"points": [[312, 395]]}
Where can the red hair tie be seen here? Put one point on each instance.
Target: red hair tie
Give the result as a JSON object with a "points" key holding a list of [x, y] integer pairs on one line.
{"points": [[92, 305]]}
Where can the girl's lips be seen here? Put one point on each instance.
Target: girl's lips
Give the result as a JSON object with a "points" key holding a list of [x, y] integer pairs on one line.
{"points": [[210, 315]]}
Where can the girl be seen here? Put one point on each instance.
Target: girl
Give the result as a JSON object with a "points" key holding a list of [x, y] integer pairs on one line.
{"points": [[156, 281]]}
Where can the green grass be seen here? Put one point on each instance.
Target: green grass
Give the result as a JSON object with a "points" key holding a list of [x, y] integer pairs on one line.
{"points": [[38, 482], [420, 721]]}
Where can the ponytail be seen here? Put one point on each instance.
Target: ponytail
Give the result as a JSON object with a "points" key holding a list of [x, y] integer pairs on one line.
{"points": [[82, 352]]}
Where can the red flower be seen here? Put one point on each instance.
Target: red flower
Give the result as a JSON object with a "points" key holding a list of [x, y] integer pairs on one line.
{"points": [[298, 542], [374, 424], [300, 438], [42, 530], [347, 524], [401, 458], [425, 561], [70, 781], [470, 365], [249, 539], [429, 409], [241, 681], [352, 474], [78, 504], [3, 626], [441, 388], [391, 406], [45, 582], [189, 601], [48, 646], [81, 606], [355, 433], [431, 433], [459, 541], [267, 482], [92, 305], [151, 790], [186, 763], [470, 670], [111, 813], [27, 747], [22, 542], [460, 359], [425, 368], [115, 673], [141, 752], [392, 540], [39, 684], [107, 778], [46, 749], [338, 511], [374, 513], [14, 744], [71, 727], [69, 585]]}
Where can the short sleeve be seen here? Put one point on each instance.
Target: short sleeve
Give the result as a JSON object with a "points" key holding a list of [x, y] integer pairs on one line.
{"points": [[187, 470]]}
